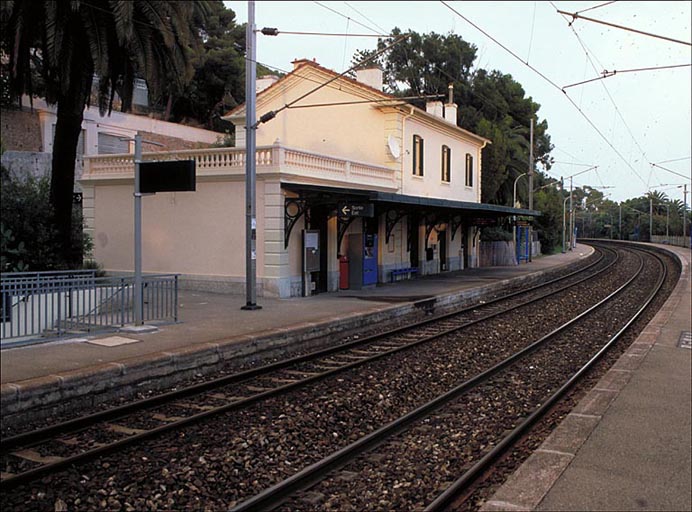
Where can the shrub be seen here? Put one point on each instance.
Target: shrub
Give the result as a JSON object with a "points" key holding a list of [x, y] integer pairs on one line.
{"points": [[29, 238]]}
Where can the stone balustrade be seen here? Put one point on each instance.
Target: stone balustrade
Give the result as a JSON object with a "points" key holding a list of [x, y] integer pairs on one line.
{"points": [[270, 159]]}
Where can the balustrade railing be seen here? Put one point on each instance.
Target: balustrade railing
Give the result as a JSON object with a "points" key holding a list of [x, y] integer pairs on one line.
{"points": [[217, 161]]}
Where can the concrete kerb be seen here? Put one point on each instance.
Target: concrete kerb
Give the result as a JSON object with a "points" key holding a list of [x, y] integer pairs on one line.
{"points": [[37, 398]]}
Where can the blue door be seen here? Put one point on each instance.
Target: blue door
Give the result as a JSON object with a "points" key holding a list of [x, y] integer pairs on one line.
{"points": [[369, 260]]}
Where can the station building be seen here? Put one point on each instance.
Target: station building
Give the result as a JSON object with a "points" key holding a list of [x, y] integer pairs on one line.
{"points": [[354, 187]]}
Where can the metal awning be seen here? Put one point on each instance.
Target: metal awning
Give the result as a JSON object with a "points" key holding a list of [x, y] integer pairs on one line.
{"points": [[389, 198], [394, 207]]}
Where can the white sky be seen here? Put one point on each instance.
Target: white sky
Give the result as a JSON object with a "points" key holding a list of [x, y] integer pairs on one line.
{"points": [[643, 117]]}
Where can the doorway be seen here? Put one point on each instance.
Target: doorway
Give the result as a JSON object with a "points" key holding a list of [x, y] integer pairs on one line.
{"points": [[442, 241], [413, 237]]}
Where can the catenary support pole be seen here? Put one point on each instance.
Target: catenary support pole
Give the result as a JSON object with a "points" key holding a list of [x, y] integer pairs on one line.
{"points": [[138, 303], [250, 161], [530, 240]]}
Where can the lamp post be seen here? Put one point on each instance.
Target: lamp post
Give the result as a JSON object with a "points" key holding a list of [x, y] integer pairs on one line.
{"points": [[514, 197]]}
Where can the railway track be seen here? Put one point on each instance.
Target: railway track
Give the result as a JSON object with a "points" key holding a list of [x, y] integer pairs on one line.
{"points": [[493, 402], [299, 373], [40, 452]]}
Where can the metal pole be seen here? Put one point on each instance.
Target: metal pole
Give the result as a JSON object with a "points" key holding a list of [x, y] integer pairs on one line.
{"points": [[651, 220], [250, 160], [571, 216], [138, 303], [530, 241], [620, 226], [684, 211], [564, 206]]}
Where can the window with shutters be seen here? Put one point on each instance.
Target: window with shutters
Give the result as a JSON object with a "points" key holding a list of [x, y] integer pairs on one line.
{"points": [[446, 164], [469, 170], [417, 155]]}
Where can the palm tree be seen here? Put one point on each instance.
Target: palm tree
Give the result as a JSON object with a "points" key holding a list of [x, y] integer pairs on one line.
{"points": [[68, 43]]}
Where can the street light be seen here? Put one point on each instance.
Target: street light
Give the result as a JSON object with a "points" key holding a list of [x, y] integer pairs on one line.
{"points": [[514, 197]]}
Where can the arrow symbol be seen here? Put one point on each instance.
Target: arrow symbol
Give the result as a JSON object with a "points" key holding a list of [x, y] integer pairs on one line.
{"points": [[345, 210]]}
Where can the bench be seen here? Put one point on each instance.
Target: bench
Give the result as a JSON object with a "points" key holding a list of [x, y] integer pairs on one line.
{"points": [[409, 271]]}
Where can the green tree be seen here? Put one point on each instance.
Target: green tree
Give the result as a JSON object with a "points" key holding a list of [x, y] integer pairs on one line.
{"points": [[218, 83], [75, 41]]}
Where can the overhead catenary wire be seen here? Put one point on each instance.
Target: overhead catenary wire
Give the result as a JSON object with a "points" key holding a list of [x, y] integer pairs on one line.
{"points": [[551, 82], [588, 54], [597, 6], [345, 16], [608, 74], [670, 171], [576, 16]]}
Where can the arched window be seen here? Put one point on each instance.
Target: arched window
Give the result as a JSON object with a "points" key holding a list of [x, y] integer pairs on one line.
{"points": [[417, 155], [446, 164], [469, 170]]}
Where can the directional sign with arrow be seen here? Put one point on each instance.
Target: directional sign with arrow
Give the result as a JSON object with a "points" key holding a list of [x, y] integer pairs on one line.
{"points": [[346, 210]]}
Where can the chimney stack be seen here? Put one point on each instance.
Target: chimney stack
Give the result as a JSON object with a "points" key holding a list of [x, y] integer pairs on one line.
{"points": [[451, 107], [371, 76]]}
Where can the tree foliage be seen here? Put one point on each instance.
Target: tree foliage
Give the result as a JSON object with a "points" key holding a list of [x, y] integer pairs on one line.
{"points": [[69, 43]]}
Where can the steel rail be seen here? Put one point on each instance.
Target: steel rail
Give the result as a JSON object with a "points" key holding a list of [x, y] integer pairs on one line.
{"points": [[70, 426], [31, 474], [452, 492], [280, 492]]}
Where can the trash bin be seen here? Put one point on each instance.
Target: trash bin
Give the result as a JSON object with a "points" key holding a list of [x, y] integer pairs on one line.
{"points": [[343, 272]]}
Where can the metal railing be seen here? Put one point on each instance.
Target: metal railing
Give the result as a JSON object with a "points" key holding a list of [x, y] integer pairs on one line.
{"points": [[53, 304]]}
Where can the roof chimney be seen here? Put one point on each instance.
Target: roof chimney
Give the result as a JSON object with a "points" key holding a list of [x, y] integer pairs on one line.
{"points": [[434, 108], [371, 76], [451, 107]]}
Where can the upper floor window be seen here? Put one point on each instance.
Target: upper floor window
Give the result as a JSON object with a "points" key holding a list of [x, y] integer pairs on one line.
{"points": [[446, 164], [417, 155], [469, 170]]}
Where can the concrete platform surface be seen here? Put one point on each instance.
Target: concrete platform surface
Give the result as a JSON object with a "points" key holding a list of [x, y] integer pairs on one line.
{"points": [[628, 444], [208, 318]]}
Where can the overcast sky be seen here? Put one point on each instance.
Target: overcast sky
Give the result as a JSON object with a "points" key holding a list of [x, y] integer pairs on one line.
{"points": [[622, 123]]}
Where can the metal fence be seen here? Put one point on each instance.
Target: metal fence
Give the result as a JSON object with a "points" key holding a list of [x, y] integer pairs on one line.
{"points": [[53, 304]]}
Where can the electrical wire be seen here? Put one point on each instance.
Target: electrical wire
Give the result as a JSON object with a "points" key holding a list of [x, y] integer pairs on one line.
{"points": [[347, 17], [366, 17], [607, 74], [576, 16], [587, 118], [671, 171], [597, 6]]}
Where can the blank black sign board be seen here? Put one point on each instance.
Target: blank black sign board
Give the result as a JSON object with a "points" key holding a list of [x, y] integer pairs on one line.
{"points": [[171, 176]]}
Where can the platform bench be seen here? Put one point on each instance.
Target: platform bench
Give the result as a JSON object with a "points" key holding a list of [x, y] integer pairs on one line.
{"points": [[410, 271]]}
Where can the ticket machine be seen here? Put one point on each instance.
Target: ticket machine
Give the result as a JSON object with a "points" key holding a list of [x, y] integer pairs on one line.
{"points": [[362, 255]]}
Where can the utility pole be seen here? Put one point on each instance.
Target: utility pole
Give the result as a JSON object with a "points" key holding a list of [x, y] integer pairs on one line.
{"points": [[250, 160], [620, 227], [531, 187]]}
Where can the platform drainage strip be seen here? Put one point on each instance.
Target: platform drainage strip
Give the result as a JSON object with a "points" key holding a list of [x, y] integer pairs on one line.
{"points": [[685, 340], [113, 341]]}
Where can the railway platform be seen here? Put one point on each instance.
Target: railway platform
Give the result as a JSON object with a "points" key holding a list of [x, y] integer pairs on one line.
{"points": [[215, 324], [627, 445]]}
